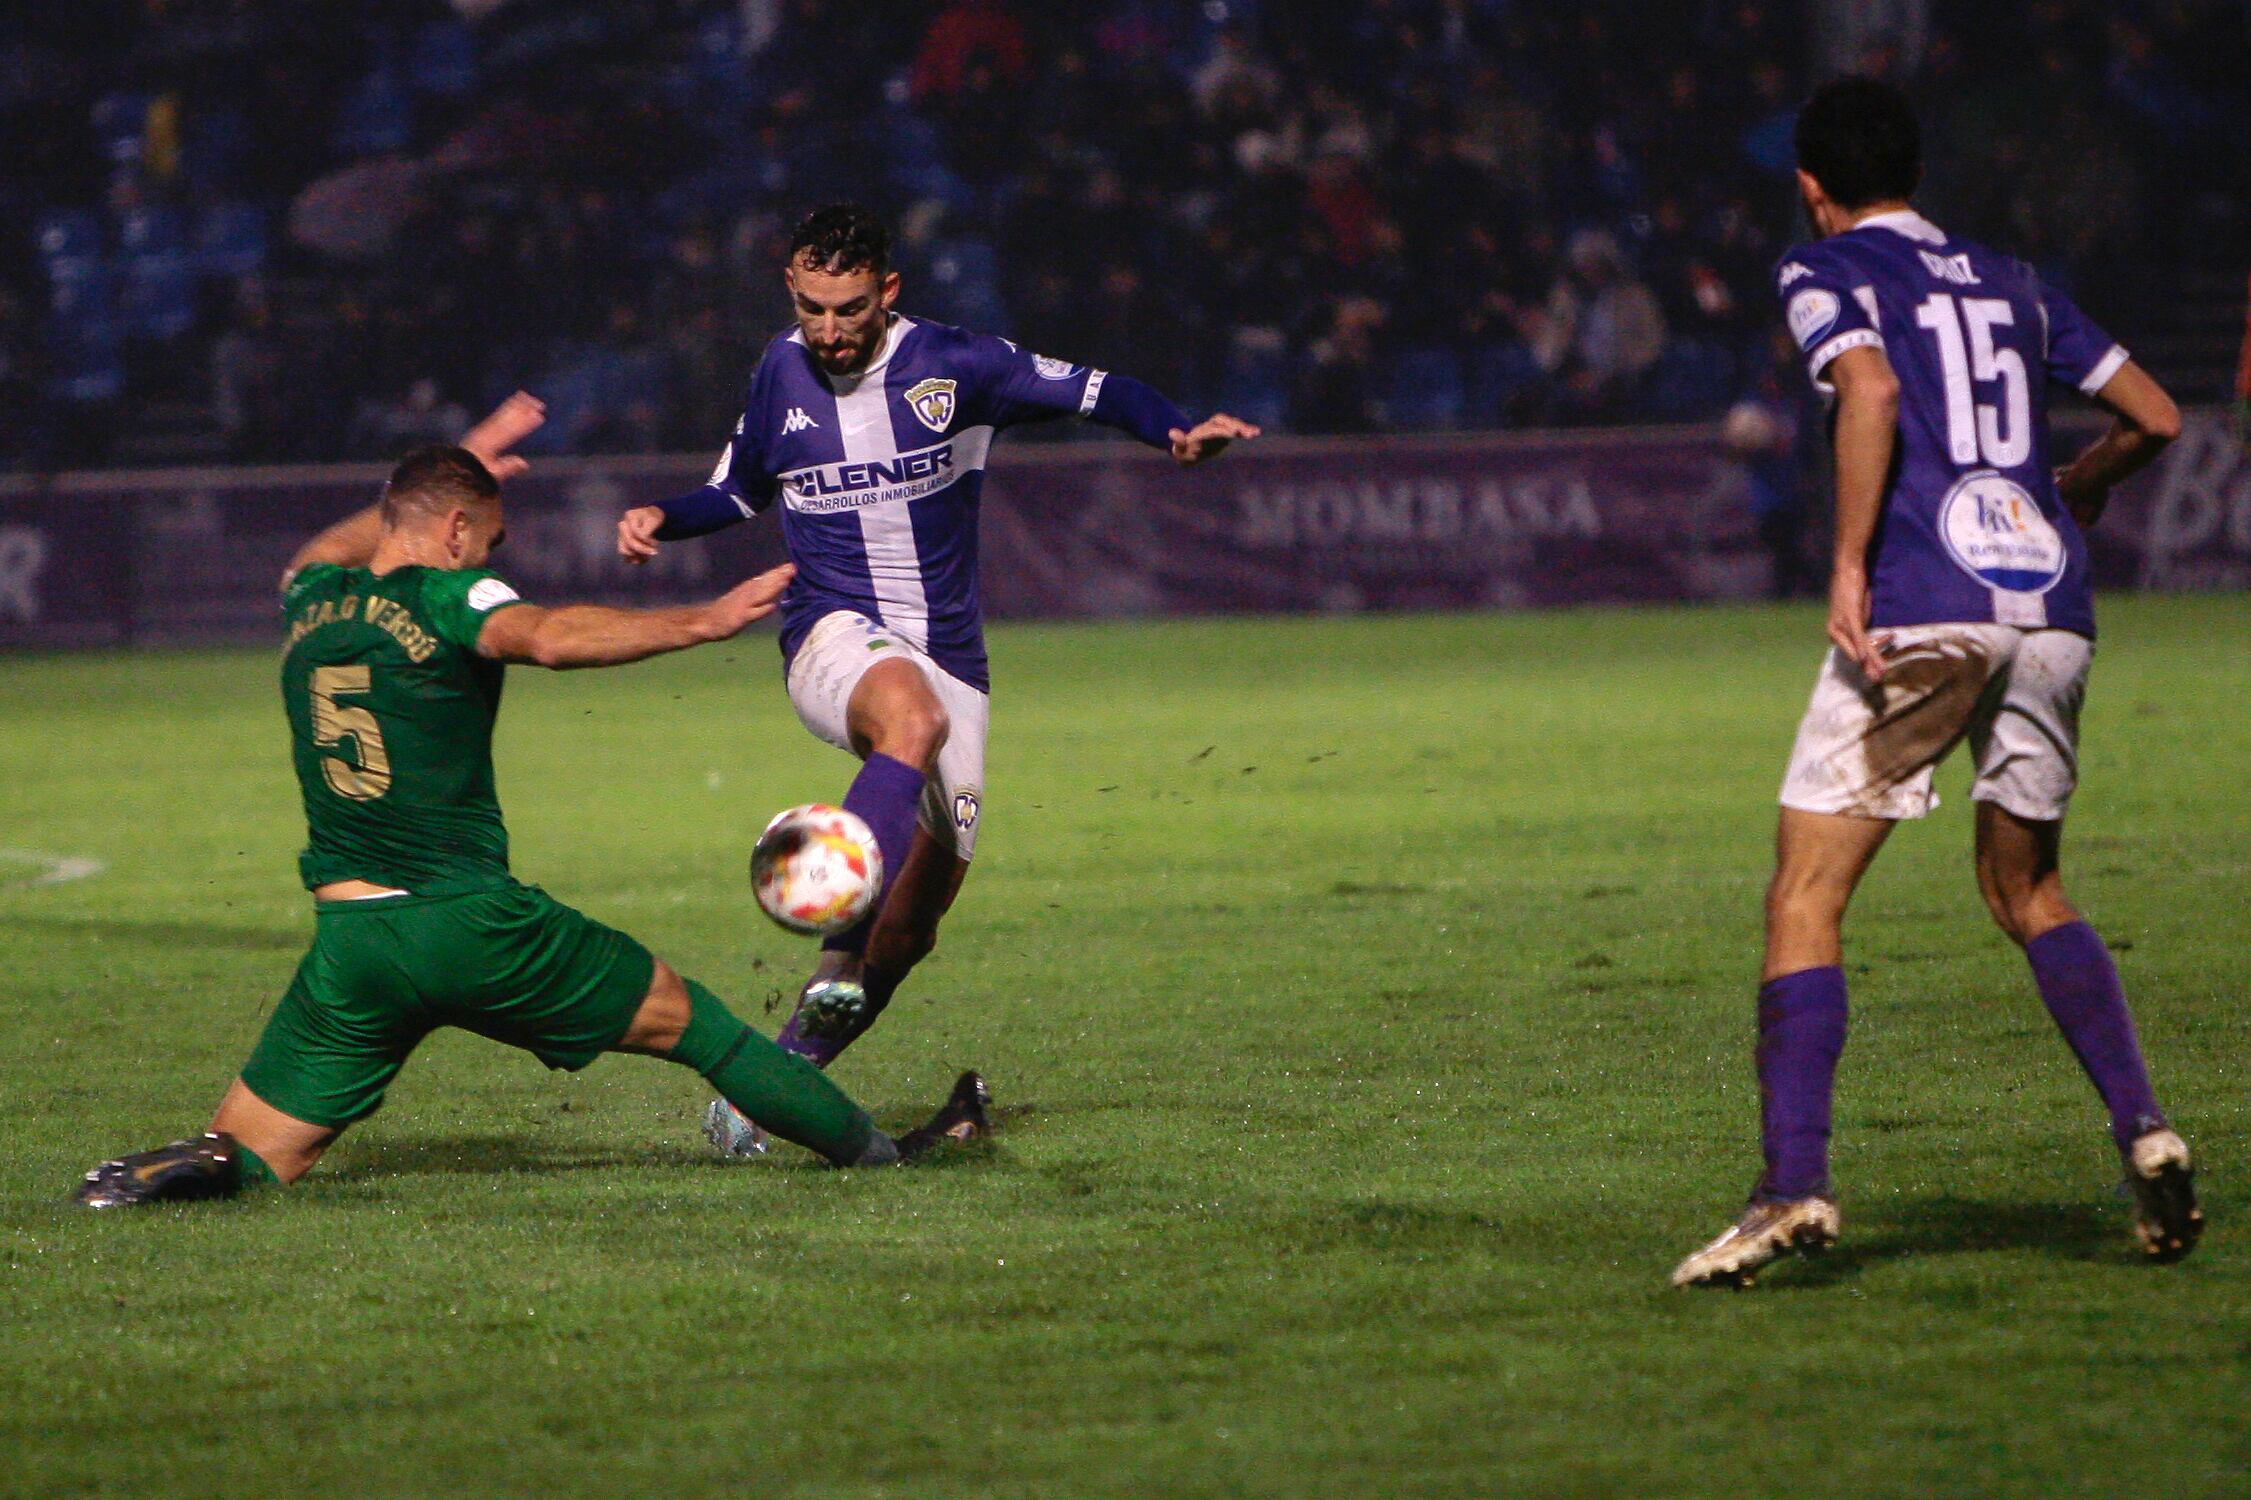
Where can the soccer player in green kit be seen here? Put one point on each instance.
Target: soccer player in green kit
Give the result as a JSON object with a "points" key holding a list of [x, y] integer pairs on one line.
{"points": [[398, 638]]}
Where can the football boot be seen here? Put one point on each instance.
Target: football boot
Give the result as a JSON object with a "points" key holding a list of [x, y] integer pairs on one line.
{"points": [[964, 1117], [182, 1172], [733, 1132], [834, 1010], [1767, 1231], [2166, 1218]]}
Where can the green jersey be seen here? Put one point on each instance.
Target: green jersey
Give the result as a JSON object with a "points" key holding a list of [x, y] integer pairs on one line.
{"points": [[391, 712]]}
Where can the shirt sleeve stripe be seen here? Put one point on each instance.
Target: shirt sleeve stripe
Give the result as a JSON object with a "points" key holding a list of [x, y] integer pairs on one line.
{"points": [[1093, 393], [2109, 365], [1858, 338]]}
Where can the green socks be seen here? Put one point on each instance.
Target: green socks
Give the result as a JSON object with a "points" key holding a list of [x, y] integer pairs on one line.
{"points": [[251, 1169], [781, 1091]]}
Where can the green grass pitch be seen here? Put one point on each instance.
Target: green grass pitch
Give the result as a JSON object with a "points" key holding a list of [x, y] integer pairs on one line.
{"points": [[1378, 994]]}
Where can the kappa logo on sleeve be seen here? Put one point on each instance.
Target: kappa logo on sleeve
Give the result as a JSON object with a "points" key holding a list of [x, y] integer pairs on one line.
{"points": [[490, 593], [1812, 313], [1796, 270]]}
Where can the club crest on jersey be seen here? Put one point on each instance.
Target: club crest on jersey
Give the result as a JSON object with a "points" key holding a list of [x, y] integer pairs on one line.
{"points": [[1995, 532], [932, 402]]}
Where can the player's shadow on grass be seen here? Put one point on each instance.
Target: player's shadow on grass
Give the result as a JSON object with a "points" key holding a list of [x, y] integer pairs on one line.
{"points": [[491, 1155], [154, 934], [495, 1155], [2087, 1230]]}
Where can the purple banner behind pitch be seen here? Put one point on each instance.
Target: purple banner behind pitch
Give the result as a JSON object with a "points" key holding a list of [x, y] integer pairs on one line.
{"points": [[1074, 530]]}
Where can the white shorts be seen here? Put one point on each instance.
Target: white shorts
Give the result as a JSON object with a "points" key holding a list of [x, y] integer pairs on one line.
{"points": [[1869, 749], [829, 665]]}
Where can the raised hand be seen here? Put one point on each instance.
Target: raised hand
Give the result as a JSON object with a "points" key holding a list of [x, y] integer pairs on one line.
{"points": [[1208, 438], [510, 423]]}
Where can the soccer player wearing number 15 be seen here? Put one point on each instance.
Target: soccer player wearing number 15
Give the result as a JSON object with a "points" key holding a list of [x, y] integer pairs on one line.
{"points": [[1959, 607]]}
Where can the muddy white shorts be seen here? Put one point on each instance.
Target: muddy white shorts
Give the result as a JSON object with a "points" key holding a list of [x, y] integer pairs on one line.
{"points": [[1869, 749], [836, 654]]}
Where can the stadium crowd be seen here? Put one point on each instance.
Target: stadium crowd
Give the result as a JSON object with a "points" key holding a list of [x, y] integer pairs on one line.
{"points": [[326, 231]]}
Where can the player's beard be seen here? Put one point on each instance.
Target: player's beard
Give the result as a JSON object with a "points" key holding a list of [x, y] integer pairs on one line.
{"points": [[846, 359]]}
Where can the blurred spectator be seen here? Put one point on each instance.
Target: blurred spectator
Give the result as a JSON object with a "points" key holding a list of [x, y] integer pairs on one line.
{"points": [[1335, 391], [965, 37], [1601, 328], [1404, 213], [419, 414], [1766, 430]]}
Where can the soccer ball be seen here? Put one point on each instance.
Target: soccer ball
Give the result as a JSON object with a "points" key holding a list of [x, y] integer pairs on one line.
{"points": [[816, 868]]}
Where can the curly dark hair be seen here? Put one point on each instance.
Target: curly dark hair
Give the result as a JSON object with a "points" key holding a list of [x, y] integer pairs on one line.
{"points": [[840, 239]]}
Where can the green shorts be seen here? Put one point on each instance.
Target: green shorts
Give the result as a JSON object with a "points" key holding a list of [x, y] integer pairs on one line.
{"points": [[511, 963]]}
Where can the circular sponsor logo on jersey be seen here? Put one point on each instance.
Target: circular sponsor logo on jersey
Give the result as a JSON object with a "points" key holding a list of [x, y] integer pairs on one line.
{"points": [[1053, 369], [1812, 313], [1995, 532]]}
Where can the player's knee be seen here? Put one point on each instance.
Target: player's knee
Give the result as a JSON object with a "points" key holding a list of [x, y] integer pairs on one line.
{"points": [[663, 1017], [1799, 895], [915, 732], [2023, 909]]}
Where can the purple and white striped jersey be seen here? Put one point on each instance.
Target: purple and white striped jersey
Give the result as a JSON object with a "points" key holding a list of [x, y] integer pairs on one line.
{"points": [[879, 473], [1972, 529]]}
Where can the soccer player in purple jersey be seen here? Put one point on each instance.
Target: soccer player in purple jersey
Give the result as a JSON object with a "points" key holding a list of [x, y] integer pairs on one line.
{"points": [[872, 429], [1959, 607]]}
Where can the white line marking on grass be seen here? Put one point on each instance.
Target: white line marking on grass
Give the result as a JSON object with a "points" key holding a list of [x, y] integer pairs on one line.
{"points": [[54, 869]]}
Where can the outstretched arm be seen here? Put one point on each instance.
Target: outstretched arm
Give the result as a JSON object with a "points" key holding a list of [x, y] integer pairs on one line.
{"points": [[351, 542], [1137, 407], [727, 497], [593, 635], [2147, 420], [713, 508]]}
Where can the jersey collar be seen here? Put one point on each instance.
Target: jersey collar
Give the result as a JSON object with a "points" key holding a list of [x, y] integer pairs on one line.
{"points": [[894, 334], [1905, 222]]}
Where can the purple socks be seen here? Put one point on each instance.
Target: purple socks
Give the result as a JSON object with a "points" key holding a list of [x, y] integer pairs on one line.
{"points": [[1801, 1035], [2080, 985], [885, 795], [820, 1051]]}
